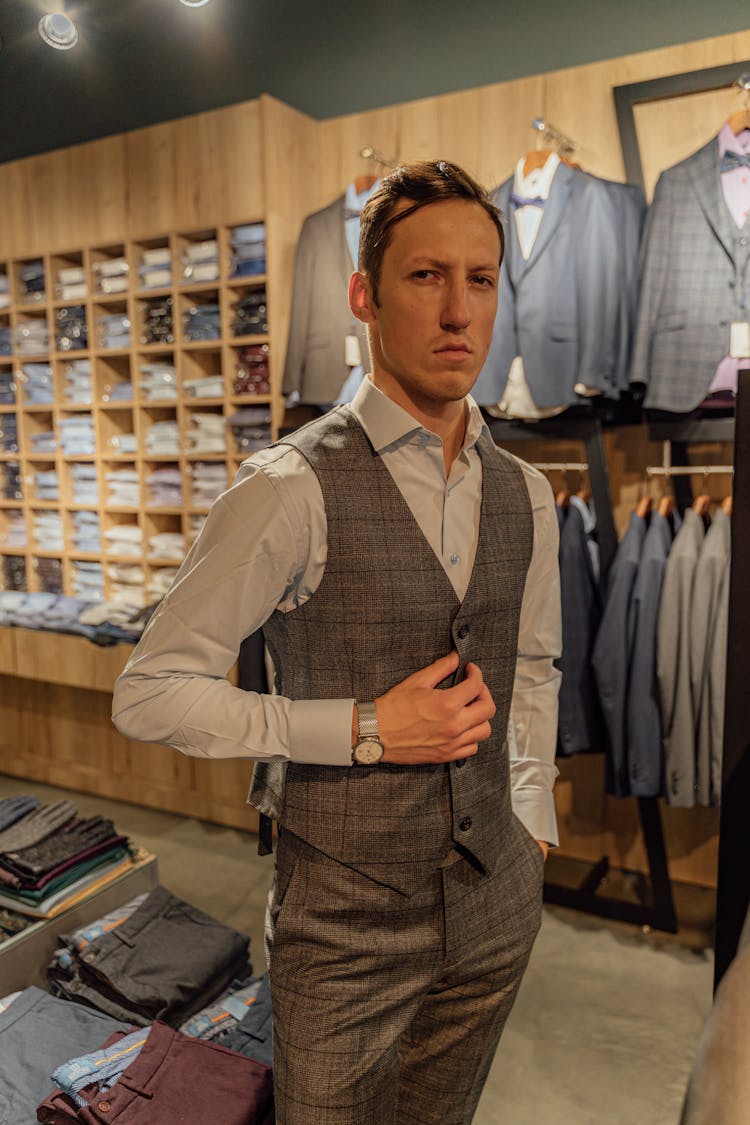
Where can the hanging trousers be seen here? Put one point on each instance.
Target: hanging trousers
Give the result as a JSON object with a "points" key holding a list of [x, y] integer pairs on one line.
{"points": [[387, 1009]]}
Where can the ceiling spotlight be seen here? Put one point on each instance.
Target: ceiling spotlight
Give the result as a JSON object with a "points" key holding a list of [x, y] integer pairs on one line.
{"points": [[193, 3], [58, 31]]}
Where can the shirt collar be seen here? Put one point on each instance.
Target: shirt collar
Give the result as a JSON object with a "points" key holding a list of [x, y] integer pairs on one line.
{"points": [[538, 182], [386, 423], [729, 142]]}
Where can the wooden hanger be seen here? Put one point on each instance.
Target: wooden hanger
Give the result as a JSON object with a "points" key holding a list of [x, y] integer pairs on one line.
{"points": [[726, 505], [739, 121], [563, 499], [645, 504], [666, 506], [364, 183], [535, 158], [702, 505], [584, 494]]}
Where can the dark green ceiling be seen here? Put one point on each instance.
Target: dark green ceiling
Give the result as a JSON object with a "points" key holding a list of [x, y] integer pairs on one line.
{"points": [[143, 61]]}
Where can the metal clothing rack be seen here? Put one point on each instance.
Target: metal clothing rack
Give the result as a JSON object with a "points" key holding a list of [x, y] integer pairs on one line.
{"points": [[659, 912]]}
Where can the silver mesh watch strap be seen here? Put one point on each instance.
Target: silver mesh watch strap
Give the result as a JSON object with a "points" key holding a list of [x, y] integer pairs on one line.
{"points": [[368, 721]]}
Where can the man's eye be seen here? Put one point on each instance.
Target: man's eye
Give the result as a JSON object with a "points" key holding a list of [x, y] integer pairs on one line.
{"points": [[485, 282], [422, 275]]}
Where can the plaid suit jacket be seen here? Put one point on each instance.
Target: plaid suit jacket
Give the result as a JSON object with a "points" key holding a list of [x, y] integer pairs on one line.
{"points": [[694, 275]]}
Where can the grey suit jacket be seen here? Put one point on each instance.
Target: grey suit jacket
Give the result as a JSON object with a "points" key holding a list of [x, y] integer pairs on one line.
{"points": [[320, 316], [673, 661], [707, 659], [560, 309], [612, 654], [694, 274]]}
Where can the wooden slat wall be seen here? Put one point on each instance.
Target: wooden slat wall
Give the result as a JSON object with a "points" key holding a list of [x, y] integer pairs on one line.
{"points": [[262, 157]]}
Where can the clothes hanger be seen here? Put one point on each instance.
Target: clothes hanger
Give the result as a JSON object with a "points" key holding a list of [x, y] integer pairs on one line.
{"points": [[364, 183], [562, 499], [666, 506], [726, 505], [584, 493], [535, 158], [644, 507], [740, 119], [702, 505]]}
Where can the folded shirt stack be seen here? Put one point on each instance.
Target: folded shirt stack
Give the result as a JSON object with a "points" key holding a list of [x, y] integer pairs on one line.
{"points": [[250, 314], [6, 339], [113, 330], [10, 483], [200, 261], [15, 529], [77, 435], [86, 531], [48, 531], [158, 326], [88, 580], [31, 337], [122, 488], [248, 250], [7, 388], [156, 268], [163, 439], [8, 433], [43, 442], [84, 483], [160, 581], [122, 443], [32, 282], [14, 573], [124, 539], [49, 575], [4, 291], [210, 386], [158, 381], [71, 330], [251, 428], [36, 383], [207, 433], [118, 392], [71, 284], [126, 584], [164, 487], [202, 322], [252, 375], [78, 385], [208, 480], [111, 275], [116, 620], [168, 545], [46, 484]]}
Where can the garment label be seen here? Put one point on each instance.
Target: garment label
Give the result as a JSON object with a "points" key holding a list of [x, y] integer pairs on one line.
{"points": [[352, 354], [739, 339]]}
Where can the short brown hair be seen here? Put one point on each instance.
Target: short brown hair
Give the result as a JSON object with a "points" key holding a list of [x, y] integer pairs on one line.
{"points": [[423, 182]]}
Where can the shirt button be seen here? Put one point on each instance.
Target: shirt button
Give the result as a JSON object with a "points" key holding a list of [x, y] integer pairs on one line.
{"points": [[743, 241], [465, 823], [463, 631], [454, 559]]}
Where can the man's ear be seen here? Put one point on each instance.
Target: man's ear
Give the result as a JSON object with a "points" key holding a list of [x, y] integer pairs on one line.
{"points": [[360, 298]]}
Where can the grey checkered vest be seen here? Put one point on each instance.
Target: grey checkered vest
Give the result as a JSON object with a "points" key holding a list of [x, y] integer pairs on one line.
{"points": [[384, 609]]}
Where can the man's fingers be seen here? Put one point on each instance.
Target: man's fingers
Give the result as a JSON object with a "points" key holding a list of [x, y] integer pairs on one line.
{"points": [[436, 672], [468, 689]]}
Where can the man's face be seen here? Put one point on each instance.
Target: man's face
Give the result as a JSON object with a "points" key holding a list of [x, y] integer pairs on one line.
{"points": [[432, 329]]}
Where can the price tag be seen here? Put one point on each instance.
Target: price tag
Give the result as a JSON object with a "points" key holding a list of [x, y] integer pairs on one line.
{"points": [[352, 354], [739, 339]]}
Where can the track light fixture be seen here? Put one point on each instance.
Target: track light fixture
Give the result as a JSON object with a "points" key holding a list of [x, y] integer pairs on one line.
{"points": [[193, 3], [58, 31]]}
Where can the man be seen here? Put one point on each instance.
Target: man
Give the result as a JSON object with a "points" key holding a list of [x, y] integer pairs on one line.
{"points": [[405, 572]]}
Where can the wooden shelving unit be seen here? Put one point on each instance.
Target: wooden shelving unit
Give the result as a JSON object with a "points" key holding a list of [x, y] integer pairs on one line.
{"points": [[121, 426]]}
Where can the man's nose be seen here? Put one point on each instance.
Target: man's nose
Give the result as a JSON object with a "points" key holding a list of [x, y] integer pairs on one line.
{"points": [[455, 311]]}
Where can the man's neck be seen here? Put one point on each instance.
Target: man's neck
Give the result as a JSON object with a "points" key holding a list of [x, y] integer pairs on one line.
{"points": [[446, 419]]}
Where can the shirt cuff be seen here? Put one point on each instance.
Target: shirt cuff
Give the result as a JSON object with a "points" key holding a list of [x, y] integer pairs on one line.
{"points": [[320, 732], [535, 808]]}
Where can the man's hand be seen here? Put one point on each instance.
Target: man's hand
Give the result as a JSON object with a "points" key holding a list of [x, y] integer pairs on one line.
{"points": [[420, 724]]}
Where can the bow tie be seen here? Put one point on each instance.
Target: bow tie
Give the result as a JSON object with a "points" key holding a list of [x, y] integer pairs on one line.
{"points": [[527, 201], [731, 160]]}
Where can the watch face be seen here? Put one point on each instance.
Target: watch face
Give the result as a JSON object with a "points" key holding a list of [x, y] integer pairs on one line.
{"points": [[368, 751]]}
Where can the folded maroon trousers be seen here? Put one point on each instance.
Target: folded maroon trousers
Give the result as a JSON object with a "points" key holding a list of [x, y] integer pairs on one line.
{"points": [[178, 1080]]}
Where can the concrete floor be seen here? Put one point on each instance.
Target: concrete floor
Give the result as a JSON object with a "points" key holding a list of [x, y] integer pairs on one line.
{"points": [[607, 1020]]}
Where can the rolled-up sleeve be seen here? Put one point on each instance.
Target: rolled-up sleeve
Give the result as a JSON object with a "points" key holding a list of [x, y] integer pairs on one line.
{"points": [[532, 732]]}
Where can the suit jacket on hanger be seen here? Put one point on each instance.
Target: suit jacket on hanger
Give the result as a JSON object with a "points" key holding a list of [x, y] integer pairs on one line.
{"points": [[320, 318], [560, 308], [694, 276], [711, 587]]}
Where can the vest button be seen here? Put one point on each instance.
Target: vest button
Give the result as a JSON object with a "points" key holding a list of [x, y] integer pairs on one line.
{"points": [[460, 763], [105, 1107], [463, 631], [465, 823]]}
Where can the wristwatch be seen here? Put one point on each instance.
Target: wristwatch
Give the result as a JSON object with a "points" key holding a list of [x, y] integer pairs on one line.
{"points": [[368, 749]]}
